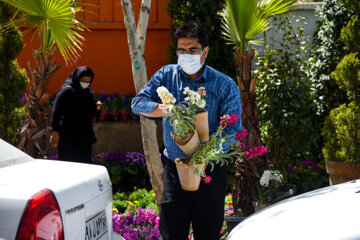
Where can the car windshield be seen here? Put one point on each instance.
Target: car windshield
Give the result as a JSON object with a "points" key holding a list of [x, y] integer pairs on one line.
{"points": [[11, 155]]}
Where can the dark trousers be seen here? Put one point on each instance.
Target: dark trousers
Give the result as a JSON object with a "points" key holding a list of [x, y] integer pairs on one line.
{"points": [[204, 208]]}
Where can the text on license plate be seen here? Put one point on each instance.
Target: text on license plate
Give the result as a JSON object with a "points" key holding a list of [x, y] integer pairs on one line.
{"points": [[96, 227]]}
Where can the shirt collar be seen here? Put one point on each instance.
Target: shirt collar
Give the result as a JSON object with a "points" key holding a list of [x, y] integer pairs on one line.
{"points": [[202, 78]]}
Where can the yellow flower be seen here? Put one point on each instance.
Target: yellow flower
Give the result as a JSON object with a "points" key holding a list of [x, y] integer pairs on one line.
{"points": [[135, 188], [115, 209], [129, 202], [136, 202]]}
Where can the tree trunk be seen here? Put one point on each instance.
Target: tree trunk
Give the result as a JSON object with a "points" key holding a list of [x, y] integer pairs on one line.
{"points": [[136, 40], [31, 137], [247, 172]]}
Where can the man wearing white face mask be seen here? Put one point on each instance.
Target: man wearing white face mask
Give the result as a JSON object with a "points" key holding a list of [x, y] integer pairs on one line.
{"points": [[203, 208], [71, 120]]}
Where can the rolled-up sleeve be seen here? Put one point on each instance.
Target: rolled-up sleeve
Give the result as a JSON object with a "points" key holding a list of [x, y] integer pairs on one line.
{"points": [[147, 99]]}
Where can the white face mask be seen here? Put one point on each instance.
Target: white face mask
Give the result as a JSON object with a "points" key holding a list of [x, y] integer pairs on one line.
{"points": [[190, 63], [84, 85]]}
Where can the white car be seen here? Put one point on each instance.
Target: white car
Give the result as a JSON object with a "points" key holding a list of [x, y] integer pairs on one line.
{"points": [[49, 199], [327, 213]]}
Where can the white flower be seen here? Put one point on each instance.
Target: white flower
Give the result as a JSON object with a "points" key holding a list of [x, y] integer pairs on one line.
{"points": [[265, 178], [166, 97], [291, 192], [194, 98], [186, 90], [276, 175]]}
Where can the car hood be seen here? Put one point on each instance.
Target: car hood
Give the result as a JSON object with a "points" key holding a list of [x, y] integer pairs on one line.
{"points": [[327, 213]]}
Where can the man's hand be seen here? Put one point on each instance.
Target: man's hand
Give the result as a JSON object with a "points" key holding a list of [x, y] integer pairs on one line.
{"points": [[54, 139], [158, 112]]}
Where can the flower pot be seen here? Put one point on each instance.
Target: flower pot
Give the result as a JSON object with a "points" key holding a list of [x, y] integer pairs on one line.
{"points": [[340, 172], [189, 143], [231, 222], [188, 180], [124, 115], [202, 126], [260, 206], [103, 116]]}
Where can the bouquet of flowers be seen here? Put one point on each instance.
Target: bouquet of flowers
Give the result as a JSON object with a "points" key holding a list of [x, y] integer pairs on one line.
{"points": [[222, 148]]}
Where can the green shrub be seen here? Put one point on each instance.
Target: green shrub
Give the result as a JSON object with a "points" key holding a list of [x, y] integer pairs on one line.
{"points": [[285, 105], [206, 13], [347, 76], [328, 49], [13, 80], [341, 130], [351, 35], [125, 169], [139, 198], [307, 176], [341, 134]]}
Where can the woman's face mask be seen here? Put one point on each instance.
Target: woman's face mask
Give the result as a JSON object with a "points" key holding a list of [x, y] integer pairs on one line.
{"points": [[85, 82], [84, 85], [190, 63]]}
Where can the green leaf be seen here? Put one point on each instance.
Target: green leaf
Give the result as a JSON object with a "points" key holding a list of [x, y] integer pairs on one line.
{"points": [[55, 22]]}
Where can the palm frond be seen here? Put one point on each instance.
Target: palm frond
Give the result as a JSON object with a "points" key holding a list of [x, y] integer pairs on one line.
{"points": [[243, 20], [55, 21]]}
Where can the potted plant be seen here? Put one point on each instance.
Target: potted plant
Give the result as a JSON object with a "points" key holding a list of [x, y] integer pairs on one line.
{"points": [[341, 129], [125, 106], [181, 119], [105, 112], [271, 189], [219, 149], [115, 106]]}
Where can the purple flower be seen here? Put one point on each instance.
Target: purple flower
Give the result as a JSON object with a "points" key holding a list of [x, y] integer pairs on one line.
{"points": [[133, 226], [313, 165], [53, 157], [103, 97]]}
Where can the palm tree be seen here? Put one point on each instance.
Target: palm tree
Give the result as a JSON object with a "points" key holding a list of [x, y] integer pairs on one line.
{"points": [[243, 21], [55, 23]]}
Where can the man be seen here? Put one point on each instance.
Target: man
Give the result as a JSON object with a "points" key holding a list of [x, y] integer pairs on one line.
{"points": [[204, 208]]}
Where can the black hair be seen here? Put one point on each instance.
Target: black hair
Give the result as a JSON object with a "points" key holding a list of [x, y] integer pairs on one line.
{"points": [[87, 74], [192, 30]]}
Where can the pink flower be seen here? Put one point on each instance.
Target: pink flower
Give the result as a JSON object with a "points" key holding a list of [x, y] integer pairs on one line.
{"points": [[205, 179], [241, 134], [228, 120], [201, 91], [255, 151]]}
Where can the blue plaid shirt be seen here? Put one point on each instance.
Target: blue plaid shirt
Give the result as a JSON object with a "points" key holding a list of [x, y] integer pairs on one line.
{"points": [[222, 97]]}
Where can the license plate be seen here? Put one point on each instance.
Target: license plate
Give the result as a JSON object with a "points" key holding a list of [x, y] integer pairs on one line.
{"points": [[96, 227]]}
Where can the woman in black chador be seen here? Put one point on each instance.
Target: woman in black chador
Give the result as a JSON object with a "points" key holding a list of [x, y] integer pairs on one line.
{"points": [[71, 121]]}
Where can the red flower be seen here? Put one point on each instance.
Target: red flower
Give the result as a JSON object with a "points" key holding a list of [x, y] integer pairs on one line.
{"points": [[228, 120], [230, 203], [241, 134], [205, 179], [255, 151]]}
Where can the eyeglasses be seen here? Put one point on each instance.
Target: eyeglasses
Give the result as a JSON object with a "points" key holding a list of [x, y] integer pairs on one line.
{"points": [[192, 51]]}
